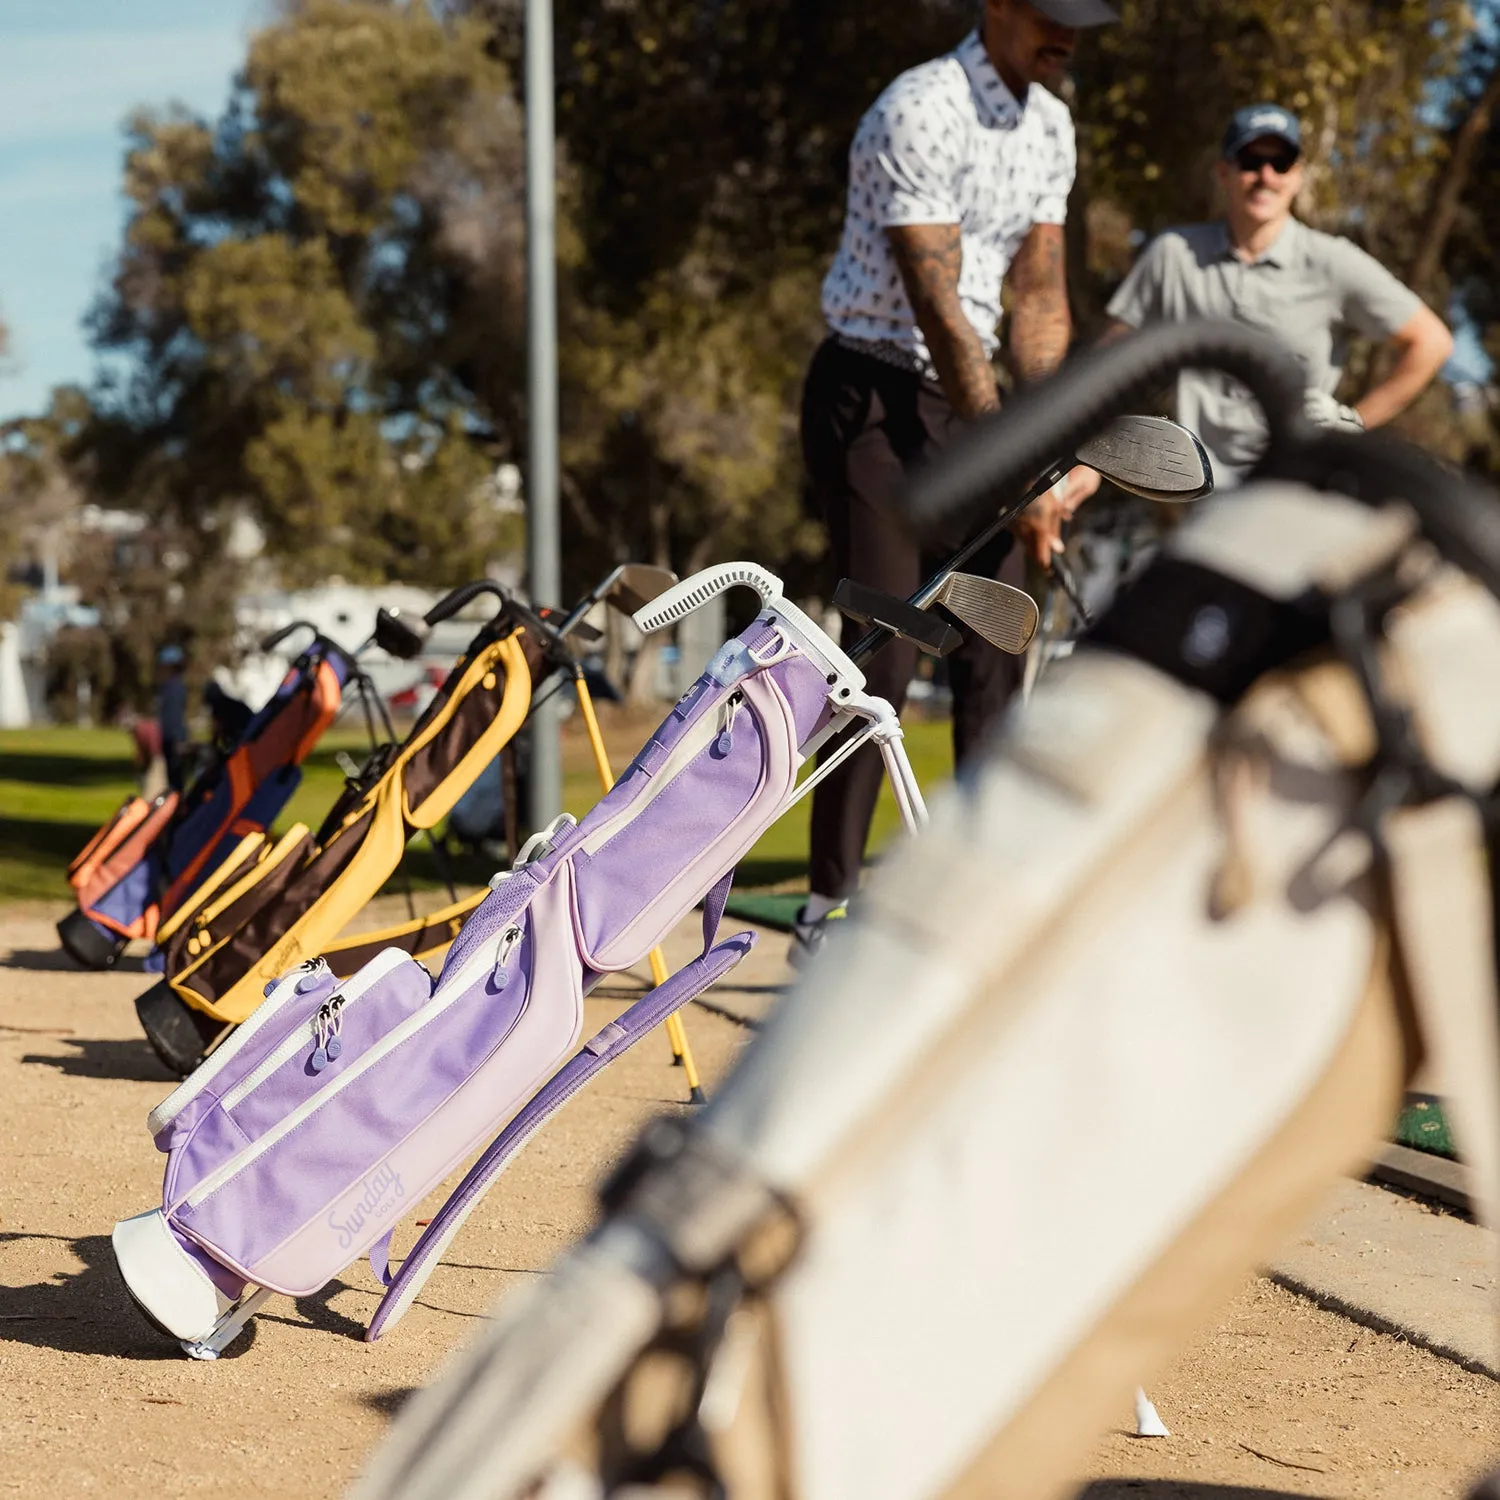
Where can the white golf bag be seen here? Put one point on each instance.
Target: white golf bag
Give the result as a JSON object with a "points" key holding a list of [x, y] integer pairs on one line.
{"points": [[1219, 891]]}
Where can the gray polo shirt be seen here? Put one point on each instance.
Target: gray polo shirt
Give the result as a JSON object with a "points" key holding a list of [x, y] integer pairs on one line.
{"points": [[1311, 290]]}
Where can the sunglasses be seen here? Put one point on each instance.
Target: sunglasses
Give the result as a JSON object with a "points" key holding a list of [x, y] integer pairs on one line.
{"points": [[1280, 162]]}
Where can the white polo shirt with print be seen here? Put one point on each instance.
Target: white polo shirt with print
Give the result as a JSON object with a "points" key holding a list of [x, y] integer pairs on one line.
{"points": [[946, 143]]}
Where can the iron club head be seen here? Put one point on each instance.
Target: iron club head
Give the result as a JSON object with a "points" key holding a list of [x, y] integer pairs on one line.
{"points": [[1006, 617], [633, 586]]}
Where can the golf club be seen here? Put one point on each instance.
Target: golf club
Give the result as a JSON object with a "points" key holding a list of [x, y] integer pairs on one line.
{"points": [[1148, 456]]}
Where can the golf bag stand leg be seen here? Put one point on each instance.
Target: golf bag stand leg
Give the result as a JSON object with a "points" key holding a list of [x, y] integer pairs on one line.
{"points": [[903, 779], [682, 1052], [229, 1327]]}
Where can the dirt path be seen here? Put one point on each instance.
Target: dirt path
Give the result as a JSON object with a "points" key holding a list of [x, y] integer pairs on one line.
{"points": [[98, 1403]]}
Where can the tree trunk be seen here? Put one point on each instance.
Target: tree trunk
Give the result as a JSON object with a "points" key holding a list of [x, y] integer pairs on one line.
{"points": [[1428, 261]]}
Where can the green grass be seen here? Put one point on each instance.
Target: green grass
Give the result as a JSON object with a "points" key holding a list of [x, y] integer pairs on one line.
{"points": [[58, 785], [1423, 1127]]}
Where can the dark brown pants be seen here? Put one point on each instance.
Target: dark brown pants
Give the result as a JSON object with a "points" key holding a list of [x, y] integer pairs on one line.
{"points": [[865, 426]]}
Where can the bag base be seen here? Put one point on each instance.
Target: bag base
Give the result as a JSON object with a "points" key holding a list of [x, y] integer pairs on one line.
{"points": [[165, 1281], [179, 1035], [86, 943]]}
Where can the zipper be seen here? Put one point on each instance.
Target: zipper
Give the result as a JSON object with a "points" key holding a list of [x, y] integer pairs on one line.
{"points": [[509, 940], [728, 714], [471, 971], [247, 1030], [320, 1031], [777, 728]]}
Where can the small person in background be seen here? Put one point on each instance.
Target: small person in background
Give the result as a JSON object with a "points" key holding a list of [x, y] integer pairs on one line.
{"points": [[145, 746], [171, 713]]}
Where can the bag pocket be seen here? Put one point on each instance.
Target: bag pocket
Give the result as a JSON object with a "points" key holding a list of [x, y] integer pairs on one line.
{"points": [[724, 782]]}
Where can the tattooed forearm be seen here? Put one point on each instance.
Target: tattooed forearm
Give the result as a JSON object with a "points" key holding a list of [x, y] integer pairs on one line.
{"points": [[1041, 327], [930, 257]]}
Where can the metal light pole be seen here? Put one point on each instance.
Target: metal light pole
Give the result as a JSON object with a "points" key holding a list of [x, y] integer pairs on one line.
{"points": [[542, 542]]}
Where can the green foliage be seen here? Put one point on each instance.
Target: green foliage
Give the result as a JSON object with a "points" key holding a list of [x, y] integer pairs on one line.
{"points": [[307, 303], [1155, 93]]}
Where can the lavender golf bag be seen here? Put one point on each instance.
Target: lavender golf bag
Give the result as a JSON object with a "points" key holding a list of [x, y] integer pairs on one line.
{"points": [[338, 1106], [150, 857]]}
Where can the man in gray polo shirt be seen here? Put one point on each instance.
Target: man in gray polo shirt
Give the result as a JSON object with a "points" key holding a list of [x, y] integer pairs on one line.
{"points": [[1262, 267]]}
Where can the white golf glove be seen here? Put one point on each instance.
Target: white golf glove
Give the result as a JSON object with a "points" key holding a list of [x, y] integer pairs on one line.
{"points": [[1323, 411]]}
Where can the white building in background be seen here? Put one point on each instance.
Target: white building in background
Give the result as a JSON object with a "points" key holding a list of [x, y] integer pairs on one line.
{"points": [[16, 711], [345, 614], [23, 650]]}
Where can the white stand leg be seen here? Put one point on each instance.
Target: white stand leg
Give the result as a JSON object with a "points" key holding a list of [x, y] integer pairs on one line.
{"points": [[228, 1328], [1147, 1422]]}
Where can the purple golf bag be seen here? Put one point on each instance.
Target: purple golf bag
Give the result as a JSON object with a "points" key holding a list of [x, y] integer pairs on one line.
{"points": [[337, 1107]]}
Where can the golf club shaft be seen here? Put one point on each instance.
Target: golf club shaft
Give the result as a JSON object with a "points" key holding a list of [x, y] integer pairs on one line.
{"points": [[1062, 576], [877, 638]]}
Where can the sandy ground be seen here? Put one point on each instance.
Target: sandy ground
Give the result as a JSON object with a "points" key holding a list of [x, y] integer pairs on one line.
{"points": [[1281, 1398]]}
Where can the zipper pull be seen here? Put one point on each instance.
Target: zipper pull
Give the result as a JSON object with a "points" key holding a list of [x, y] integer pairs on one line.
{"points": [[319, 1059], [314, 972], [508, 940], [334, 1046], [725, 742]]}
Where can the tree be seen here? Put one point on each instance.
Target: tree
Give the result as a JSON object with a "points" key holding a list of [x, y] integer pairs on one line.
{"points": [[705, 150], [320, 306], [316, 300]]}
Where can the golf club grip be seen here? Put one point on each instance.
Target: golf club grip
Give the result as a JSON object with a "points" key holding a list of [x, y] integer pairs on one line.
{"points": [[447, 607], [1000, 453]]}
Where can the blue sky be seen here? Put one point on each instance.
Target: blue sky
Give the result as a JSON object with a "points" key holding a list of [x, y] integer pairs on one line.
{"points": [[70, 73]]}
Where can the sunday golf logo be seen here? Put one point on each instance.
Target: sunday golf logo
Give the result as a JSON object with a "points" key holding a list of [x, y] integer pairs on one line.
{"points": [[382, 1192]]}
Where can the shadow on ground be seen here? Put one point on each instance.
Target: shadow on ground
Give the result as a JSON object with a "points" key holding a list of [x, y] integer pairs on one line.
{"points": [[388, 1403], [55, 961], [87, 1311], [71, 771], [44, 840], [1175, 1489], [132, 1061]]}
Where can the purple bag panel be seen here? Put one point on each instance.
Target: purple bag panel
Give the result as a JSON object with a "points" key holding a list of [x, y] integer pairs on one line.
{"points": [[705, 808], [412, 1102]]}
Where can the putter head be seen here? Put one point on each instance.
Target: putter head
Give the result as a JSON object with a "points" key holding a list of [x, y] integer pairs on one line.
{"points": [[632, 586], [1151, 457], [1006, 617], [397, 635], [867, 606]]}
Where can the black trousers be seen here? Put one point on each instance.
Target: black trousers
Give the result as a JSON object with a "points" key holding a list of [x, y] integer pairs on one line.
{"points": [[866, 425]]}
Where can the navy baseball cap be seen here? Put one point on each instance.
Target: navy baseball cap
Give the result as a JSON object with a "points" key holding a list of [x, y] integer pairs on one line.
{"points": [[1076, 12], [1256, 122]]}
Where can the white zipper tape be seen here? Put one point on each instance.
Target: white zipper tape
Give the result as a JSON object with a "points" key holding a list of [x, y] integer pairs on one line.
{"points": [[480, 964], [697, 739], [225, 1053], [352, 990]]}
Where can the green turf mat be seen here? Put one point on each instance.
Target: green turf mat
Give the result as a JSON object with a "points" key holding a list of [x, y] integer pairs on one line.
{"points": [[1423, 1128], [765, 908]]}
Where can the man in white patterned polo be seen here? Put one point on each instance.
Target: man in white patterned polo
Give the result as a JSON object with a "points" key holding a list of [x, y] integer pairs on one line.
{"points": [[958, 181]]}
